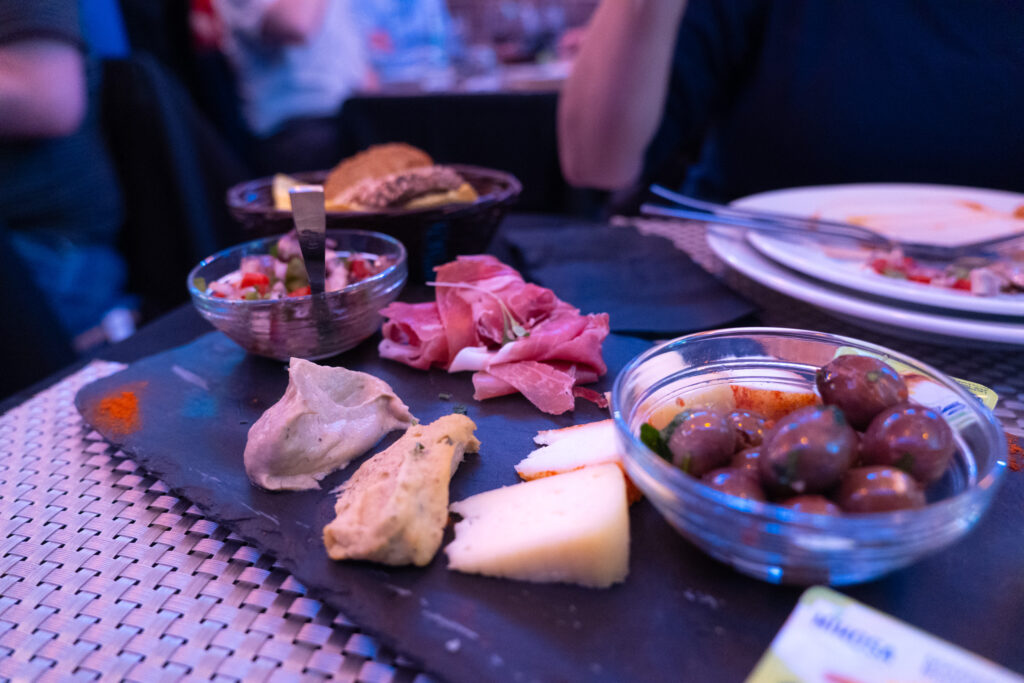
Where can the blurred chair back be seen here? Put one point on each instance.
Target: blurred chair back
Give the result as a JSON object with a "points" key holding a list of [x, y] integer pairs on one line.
{"points": [[32, 342], [174, 168]]}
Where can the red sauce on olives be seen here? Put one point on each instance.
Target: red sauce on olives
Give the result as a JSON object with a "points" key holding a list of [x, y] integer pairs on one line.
{"points": [[862, 447]]}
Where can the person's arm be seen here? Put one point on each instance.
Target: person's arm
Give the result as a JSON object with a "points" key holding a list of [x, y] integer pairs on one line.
{"points": [[289, 22], [612, 102], [42, 89]]}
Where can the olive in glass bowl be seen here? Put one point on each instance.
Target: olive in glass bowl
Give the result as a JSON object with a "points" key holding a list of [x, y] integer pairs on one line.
{"points": [[860, 386], [913, 438], [795, 545]]}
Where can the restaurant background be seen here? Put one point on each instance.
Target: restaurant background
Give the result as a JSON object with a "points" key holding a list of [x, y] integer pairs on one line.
{"points": [[170, 113]]}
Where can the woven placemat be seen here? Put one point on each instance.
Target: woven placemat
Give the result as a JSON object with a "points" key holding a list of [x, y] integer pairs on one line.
{"points": [[103, 575]]}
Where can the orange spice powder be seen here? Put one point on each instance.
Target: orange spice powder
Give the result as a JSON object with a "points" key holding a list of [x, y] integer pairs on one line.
{"points": [[118, 411], [1015, 457]]}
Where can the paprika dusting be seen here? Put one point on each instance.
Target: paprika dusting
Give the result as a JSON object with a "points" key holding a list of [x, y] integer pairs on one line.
{"points": [[1015, 457], [118, 411]]}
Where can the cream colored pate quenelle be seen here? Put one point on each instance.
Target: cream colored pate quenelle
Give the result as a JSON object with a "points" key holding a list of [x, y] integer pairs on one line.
{"points": [[327, 417], [393, 509]]}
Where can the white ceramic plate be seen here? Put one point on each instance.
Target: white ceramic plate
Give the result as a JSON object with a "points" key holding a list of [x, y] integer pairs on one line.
{"points": [[943, 215], [886, 316], [847, 268]]}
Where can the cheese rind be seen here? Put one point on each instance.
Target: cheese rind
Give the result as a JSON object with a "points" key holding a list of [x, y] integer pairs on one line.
{"points": [[575, 447], [570, 528], [571, 448]]}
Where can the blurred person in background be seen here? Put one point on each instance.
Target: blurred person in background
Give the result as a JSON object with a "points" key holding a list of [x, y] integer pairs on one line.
{"points": [[60, 203], [410, 41], [295, 63], [762, 95]]}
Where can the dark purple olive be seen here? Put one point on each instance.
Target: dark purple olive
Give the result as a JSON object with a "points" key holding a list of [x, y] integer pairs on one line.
{"points": [[749, 426], [701, 440], [878, 489], [860, 386], [807, 451], [735, 481], [747, 460], [813, 503], [912, 438]]}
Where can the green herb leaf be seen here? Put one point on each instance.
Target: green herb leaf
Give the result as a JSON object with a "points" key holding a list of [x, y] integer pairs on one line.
{"points": [[672, 426], [444, 397], [273, 251], [837, 415], [651, 438], [792, 462], [459, 409], [199, 283]]}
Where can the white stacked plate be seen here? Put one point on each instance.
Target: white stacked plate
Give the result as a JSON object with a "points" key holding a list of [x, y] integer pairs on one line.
{"points": [[838, 280]]}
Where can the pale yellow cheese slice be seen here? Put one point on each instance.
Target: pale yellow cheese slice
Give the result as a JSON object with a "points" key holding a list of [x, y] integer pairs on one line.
{"points": [[569, 528], [571, 448], [575, 447]]}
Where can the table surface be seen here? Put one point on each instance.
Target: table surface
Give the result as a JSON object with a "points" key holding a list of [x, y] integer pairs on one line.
{"points": [[103, 574]]}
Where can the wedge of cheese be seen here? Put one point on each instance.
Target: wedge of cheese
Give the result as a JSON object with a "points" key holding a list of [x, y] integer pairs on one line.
{"points": [[572, 448], [569, 528]]}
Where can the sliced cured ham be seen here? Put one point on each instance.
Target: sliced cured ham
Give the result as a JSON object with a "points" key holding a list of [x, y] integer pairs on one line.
{"points": [[545, 387], [514, 335], [414, 335]]}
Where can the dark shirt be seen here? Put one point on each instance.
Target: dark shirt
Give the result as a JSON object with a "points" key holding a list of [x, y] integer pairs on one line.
{"points": [[65, 186], [769, 94], [59, 197]]}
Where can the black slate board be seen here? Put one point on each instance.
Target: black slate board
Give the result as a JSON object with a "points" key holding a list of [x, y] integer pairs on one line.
{"points": [[679, 615], [646, 285]]}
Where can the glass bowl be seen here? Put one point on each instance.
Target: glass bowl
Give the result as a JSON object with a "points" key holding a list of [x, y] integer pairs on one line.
{"points": [[774, 543], [288, 327]]}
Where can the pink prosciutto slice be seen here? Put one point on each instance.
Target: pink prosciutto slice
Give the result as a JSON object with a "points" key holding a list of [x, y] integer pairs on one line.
{"points": [[516, 336], [414, 335], [544, 386]]}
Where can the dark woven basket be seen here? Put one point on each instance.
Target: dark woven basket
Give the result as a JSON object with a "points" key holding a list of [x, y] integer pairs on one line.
{"points": [[431, 236]]}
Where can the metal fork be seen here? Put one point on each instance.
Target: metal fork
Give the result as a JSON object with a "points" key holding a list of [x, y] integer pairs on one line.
{"points": [[808, 228]]}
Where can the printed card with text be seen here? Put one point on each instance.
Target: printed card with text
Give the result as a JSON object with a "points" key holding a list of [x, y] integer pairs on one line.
{"points": [[830, 638]]}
